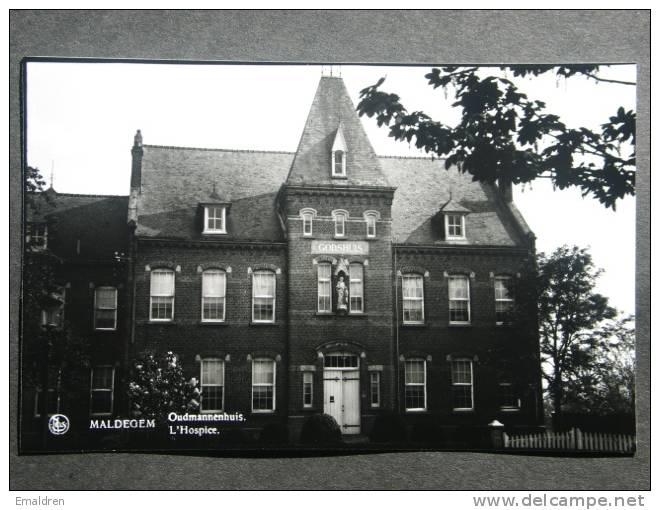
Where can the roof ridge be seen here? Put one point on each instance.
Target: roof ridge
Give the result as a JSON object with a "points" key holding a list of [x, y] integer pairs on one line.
{"points": [[214, 149], [89, 195], [430, 158]]}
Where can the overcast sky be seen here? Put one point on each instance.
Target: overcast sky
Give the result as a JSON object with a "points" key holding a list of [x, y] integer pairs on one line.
{"points": [[81, 120]]}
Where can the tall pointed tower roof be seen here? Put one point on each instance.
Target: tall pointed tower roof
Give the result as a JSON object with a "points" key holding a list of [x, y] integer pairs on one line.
{"points": [[332, 110]]}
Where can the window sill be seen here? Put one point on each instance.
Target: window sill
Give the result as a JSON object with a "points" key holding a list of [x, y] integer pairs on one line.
{"points": [[340, 177], [162, 323], [509, 409], [268, 411], [462, 411], [105, 330], [259, 324], [414, 325], [460, 324], [416, 411], [211, 323]]}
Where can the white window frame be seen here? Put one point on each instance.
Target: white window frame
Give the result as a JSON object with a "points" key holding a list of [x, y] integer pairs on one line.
{"points": [[151, 295], [406, 384], [207, 217], [273, 384], [342, 166], [404, 278], [111, 390], [308, 383], [307, 221], [509, 299], [467, 300], [341, 219], [374, 383], [448, 235], [207, 272], [323, 282], [470, 384], [515, 407], [358, 282], [96, 308], [273, 297], [202, 384], [371, 220]]}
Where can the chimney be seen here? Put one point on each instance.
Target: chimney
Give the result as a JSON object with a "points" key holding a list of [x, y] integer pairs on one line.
{"points": [[136, 167]]}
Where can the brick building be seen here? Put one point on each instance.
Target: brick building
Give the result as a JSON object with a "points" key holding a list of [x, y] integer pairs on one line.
{"points": [[331, 280]]}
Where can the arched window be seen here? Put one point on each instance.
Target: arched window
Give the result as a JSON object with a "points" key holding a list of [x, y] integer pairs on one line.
{"points": [[263, 296], [413, 298], [324, 287], [307, 219], [214, 288], [371, 225], [340, 223], [161, 306]]}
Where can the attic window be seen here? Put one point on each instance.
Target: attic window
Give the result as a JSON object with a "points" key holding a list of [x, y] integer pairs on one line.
{"points": [[215, 219], [454, 226], [37, 236], [339, 164]]}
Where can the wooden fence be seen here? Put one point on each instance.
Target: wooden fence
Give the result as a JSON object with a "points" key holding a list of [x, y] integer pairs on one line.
{"points": [[573, 439]]}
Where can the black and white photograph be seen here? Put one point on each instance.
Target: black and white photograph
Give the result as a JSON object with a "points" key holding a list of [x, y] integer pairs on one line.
{"points": [[328, 258]]}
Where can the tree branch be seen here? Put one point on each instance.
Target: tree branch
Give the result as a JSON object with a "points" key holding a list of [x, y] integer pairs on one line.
{"points": [[608, 80]]}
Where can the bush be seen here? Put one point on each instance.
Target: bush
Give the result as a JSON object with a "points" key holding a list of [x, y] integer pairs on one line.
{"points": [[320, 429], [388, 428], [274, 434]]}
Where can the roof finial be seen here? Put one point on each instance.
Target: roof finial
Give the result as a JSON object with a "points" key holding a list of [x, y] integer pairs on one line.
{"points": [[52, 173], [137, 139]]}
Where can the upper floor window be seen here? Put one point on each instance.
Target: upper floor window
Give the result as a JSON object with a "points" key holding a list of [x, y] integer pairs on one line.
{"points": [[454, 226], [161, 306], [371, 225], [307, 219], [339, 154], [340, 224], [263, 385], [324, 284], [215, 217], [374, 389], [415, 385], [37, 235], [102, 390], [52, 315], [503, 299], [212, 382], [105, 308], [356, 288], [461, 380], [263, 296], [214, 285], [459, 299], [413, 298]]}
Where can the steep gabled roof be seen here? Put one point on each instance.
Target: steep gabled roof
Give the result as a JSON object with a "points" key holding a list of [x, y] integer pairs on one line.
{"points": [[332, 107]]}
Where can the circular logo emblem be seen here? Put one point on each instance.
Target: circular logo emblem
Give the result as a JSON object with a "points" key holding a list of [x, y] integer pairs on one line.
{"points": [[58, 424]]}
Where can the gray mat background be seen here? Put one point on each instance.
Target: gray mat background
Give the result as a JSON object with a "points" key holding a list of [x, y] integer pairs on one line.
{"points": [[407, 37]]}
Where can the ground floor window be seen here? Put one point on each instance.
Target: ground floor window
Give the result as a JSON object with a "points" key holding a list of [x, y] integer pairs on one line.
{"points": [[102, 390], [462, 389], [374, 389], [415, 390], [213, 385], [263, 385], [53, 402], [308, 389], [508, 399]]}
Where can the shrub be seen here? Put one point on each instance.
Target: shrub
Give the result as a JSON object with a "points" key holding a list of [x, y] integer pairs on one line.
{"points": [[320, 429], [388, 428], [274, 434]]}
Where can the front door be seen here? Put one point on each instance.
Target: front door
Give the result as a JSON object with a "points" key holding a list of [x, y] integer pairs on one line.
{"points": [[341, 398]]}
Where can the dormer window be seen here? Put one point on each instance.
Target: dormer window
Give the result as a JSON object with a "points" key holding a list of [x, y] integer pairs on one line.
{"points": [[339, 155], [215, 219], [454, 226]]}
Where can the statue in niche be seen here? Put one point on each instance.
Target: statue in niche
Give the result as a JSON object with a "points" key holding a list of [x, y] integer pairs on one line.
{"points": [[342, 293]]}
